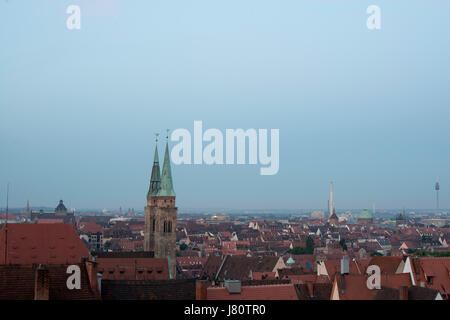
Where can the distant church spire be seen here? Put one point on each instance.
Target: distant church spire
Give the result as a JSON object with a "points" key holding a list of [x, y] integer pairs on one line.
{"points": [[155, 180], [166, 189]]}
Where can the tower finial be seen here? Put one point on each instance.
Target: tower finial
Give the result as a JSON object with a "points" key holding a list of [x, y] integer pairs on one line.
{"points": [[167, 135], [166, 175], [156, 137], [155, 179]]}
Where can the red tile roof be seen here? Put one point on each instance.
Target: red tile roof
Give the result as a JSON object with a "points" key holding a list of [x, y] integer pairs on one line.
{"points": [[89, 227], [271, 292], [263, 275], [355, 266], [133, 268], [387, 264], [11, 217], [190, 261], [436, 268], [41, 221], [354, 287], [41, 243], [302, 278]]}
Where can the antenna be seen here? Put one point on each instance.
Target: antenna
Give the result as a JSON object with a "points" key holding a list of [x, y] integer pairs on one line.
{"points": [[7, 200], [6, 223]]}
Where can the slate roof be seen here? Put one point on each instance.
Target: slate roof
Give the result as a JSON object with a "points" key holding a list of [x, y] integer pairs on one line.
{"points": [[124, 254], [237, 267], [321, 291], [17, 283], [148, 290], [61, 207]]}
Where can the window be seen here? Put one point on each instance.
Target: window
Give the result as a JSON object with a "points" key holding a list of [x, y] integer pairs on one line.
{"points": [[169, 229], [165, 226], [153, 224]]}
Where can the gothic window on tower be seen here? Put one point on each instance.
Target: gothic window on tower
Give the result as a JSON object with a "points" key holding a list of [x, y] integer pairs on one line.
{"points": [[170, 227], [153, 225], [165, 226]]}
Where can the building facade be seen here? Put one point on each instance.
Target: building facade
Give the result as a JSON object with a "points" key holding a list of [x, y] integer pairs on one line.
{"points": [[161, 214]]}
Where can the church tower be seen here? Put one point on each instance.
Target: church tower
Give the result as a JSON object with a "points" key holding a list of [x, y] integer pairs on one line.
{"points": [[161, 213]]}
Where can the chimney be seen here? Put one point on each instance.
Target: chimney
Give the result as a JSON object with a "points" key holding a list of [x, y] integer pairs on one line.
{"points": [[91, 267], [310, 287], [99, 283], [41, 283], [403, 293], [201, 292], [345, 265], [233, 286]]}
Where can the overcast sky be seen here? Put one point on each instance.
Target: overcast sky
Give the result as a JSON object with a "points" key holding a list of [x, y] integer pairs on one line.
{"points": [[368, 109]]}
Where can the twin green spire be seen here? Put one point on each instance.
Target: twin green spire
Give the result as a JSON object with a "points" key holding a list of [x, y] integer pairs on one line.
{"points": [[161, 185], [155, 180]]}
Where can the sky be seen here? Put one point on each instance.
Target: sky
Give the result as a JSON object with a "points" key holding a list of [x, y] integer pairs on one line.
{"points": [[367, 109]]}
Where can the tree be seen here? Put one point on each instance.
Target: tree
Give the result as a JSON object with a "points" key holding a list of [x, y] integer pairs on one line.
{"points": [[298, 250], [309, 245], [343, 244], [107, 245], [309, 249], [425, 253]]}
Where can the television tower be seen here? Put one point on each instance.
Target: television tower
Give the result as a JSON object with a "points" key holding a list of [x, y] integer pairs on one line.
{"points": [[331, 203], [437, 187]]}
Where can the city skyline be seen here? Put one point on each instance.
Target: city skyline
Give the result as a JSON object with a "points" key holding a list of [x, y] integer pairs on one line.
{"points": [[126, 208]]}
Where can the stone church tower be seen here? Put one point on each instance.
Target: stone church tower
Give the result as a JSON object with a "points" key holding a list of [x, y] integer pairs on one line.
{"points": [[161, 213]]}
